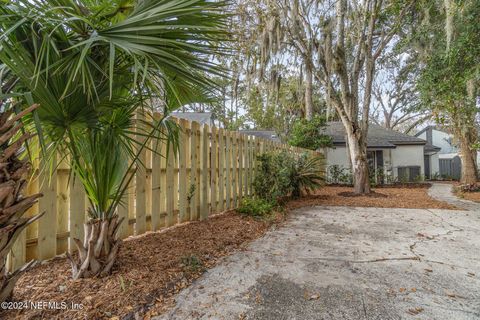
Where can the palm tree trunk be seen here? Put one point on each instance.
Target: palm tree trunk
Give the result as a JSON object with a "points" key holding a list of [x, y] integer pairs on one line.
{"points": [[13, 203], [99, 249]]}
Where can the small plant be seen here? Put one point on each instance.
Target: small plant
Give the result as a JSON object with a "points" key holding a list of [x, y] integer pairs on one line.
{"points": [[306, 175], [435, 177], [255, 207], [377, 176], [419, 178], [191, 192], [339, 175], [309, 134], [272, 180], [282, 174], [123, 284], [192, 263], [335, 173]]}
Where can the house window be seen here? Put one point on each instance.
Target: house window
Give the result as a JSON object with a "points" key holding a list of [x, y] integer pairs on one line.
{"points": [[409, 173]]}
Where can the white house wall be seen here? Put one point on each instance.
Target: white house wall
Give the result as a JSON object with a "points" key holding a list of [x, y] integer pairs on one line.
{"points": [[393, 158], [434, 164], [406, 156], [337, 156]]}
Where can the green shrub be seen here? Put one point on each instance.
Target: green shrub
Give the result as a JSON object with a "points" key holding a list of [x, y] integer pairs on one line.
{"points": [[306, 175], [309, 134], [272, 179], [255, 207], [283, 174], [376, 176], [339, 175]]}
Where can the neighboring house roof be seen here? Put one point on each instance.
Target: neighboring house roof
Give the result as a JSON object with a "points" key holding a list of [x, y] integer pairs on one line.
{"points": [[447, 155], [265, 134], [200, 117], [437, 128], [378, 137]]}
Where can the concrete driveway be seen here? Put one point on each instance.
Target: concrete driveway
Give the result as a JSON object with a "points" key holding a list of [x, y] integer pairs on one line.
{"points": [[348, 263]]}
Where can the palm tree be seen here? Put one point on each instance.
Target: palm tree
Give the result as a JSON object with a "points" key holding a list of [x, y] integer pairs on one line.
{"points": [[92, 65], [13, 203]]}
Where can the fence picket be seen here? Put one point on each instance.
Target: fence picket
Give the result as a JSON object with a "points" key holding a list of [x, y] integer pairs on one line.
{"points": [[221, 170], [47, 225], [170, 192], [205, 148], [141, 180], [182, 174], [213, 170]]}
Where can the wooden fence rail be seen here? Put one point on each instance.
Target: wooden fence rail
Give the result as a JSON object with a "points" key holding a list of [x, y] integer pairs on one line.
{"points": [[211, 173]]}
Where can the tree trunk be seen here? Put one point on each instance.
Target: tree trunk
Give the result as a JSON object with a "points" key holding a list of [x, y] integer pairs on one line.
{"points": [[358, 155], [13, 203], [308, 92], [98, 252], [468, 157]]}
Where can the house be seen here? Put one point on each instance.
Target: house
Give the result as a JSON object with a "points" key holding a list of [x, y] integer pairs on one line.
{"points": [[449, 164], [264, 134], [396, 155], [200, 117]]}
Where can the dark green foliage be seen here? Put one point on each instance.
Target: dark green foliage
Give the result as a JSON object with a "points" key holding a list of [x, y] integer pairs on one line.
{"points": [[339, 175], [306, 175], [283, 174], [376, 176], [192, 264], [271, 181], [256, 207], [308, 134]]}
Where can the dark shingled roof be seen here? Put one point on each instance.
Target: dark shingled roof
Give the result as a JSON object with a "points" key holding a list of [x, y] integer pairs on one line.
{"points": [[431, 148], [265, 134], [378, 137]]}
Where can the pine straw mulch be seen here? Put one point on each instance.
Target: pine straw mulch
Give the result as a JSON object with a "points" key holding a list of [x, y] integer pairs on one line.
{"points": [[150, 270], [413, 196], [472, 196]]}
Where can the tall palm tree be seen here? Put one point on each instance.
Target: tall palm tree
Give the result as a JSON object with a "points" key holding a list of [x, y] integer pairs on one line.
{"points": [[92, 65]]}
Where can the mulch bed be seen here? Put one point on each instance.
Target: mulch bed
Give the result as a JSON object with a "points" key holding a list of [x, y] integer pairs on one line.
{"points": [[150, 270], [472, 196], [411, 196], [153, 267]]}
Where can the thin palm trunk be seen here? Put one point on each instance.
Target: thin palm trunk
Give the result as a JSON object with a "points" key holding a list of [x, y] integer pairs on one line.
{"points": [[98, 251]]}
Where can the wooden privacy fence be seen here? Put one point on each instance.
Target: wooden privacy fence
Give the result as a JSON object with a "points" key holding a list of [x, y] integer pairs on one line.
{"points": [[211, 173]]}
